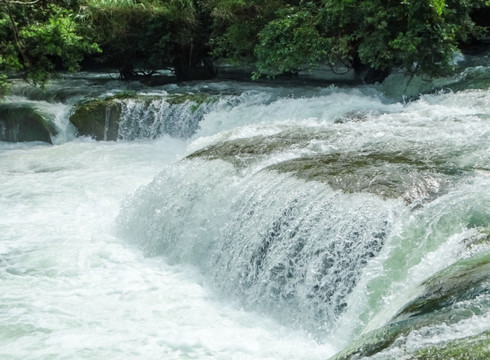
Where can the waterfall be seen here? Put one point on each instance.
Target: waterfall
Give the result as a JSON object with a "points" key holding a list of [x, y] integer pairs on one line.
{"points": [[316, 222], [148, 120], [106, 122], [248, 221], [288, 218], [277, 244]]}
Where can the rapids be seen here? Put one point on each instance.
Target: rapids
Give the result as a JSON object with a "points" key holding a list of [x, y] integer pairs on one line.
{"points": [[273, 222]]}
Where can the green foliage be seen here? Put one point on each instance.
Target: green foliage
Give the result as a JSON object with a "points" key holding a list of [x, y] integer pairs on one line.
{"points": [[236, 26], [147, 35], [38, 39], [290, 42], [129, 32], [3, 85], [54, 42], [277, 36], [8, 55], [421, 36]]}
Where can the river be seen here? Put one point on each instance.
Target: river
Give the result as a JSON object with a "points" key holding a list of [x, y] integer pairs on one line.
{"points": [[287, 223]]}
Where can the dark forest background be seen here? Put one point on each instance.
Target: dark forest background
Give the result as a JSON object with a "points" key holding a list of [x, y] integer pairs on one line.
{"points": [[274, 37]]}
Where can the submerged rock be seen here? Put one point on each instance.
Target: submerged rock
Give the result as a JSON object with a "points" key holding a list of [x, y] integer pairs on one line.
{"points": [[20, 123], [386, 174], [462, 281], [458, 292], [471, 74], [240, 151], [196, 98], [468, 348], [481, 237], [389, 175]]}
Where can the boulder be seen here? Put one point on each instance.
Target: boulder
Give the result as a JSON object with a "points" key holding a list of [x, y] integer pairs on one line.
{"points": [[456, 293], [386, 174], [97, 118], [19, 123], [131, 116]]}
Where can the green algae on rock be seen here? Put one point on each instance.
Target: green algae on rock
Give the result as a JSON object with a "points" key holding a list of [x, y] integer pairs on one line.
{"points": [[442, 299], [463, 280], [198, 98], [468, 348], [19, 123], [97, 118], [128, 115], [388, 174], [240, 151]]}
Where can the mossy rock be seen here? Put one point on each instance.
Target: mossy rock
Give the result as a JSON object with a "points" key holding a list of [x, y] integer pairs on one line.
{"points": [[98, 118], [468, 348], [386, 174], [19, 123], [462, 281], [172, 99], [197, 98], [454, 294], [130, 95], [239, 151]]}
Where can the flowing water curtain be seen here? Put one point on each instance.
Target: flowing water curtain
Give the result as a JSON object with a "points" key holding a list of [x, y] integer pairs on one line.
{"points": [[265, 238], [151, 119]]}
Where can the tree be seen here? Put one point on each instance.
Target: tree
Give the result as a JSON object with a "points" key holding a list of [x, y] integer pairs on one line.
{"points": [[39, 37], [291, 42], [149, 35], [420, 36], [236, 25]]}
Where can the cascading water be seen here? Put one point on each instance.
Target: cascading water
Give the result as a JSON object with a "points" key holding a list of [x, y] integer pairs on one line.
{"points": [[149, 120], [256, 223]]}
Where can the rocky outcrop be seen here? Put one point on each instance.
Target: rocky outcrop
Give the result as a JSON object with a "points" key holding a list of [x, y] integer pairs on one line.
{"points": [[133, 116], [19, 122], [97, 118], [452, 295], [386, 174]]}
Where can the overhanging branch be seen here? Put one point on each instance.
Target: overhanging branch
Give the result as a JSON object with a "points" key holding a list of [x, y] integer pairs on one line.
{"points": [[15, 31], [17, 2]]}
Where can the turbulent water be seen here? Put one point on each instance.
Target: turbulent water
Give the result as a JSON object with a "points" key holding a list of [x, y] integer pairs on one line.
{"points": [[283, 222]]}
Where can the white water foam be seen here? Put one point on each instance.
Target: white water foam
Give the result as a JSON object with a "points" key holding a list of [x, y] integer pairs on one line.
{"points": [[71, 288]]}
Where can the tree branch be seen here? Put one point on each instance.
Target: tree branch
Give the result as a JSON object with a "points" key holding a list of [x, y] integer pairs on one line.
{"points": [[18, 42], [9, 2]]}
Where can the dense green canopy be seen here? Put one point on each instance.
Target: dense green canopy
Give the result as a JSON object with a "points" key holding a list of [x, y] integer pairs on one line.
{"points": [[39, 37]]}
